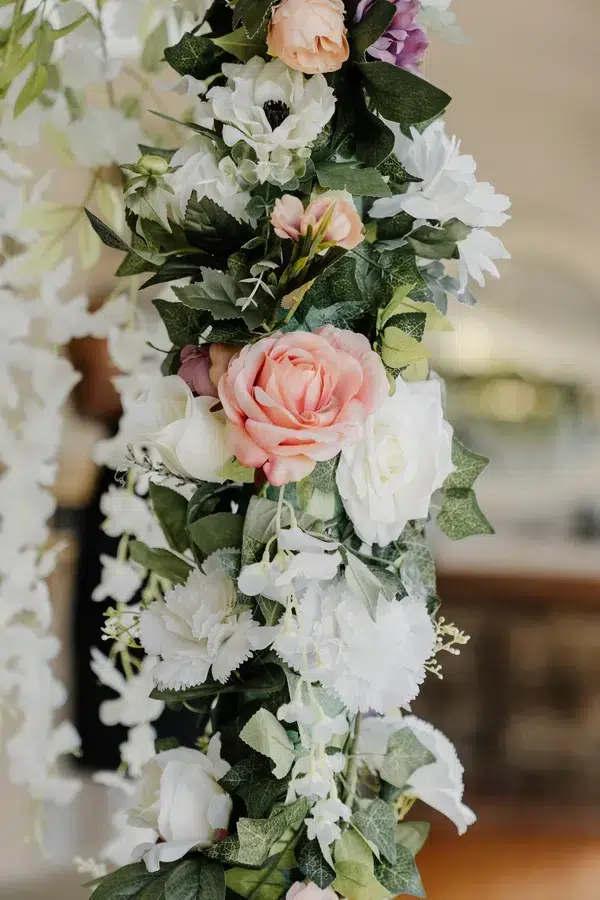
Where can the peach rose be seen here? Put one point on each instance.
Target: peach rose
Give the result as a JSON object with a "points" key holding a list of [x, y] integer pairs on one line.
{"points": [[309, 35], [290, 220], [293, 400]]}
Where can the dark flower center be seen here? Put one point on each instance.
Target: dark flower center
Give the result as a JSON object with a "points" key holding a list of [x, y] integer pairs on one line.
{"points": [[276, 112]]}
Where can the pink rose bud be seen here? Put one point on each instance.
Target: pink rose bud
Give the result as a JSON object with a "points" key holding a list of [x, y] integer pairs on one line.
{"points": [[293, 400], [309, 35], [286, 217], [195, 368], [220, 357], [301, 890], [344, 228]]}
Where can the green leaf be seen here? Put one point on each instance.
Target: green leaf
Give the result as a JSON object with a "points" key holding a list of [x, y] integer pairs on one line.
{"points": [[403, 876], [414, 549], [240, 45], [252, 14], [134, 265], [183, 324], [438, 242], [361, 182], [313, 864], [194, 55], [396, 227], [412, 835], [233, 470], [216, 293], [351, 846], [399, 349], [260, 526], [252, 780], [356, 881], [218, 531], [170, 509], [405, 754], [461, 516], [269, 680], [108, 237], [469, 466], [341, 315], [154, 48], [363, 583], [196, 879], [265, 734], [401, 96], [127, 883], [377, 823], [209, 226], [32, 89], [395, 305], [261, 884], [374, 139], [372, 25], [203, 502], [161, 562], [257, 836]]}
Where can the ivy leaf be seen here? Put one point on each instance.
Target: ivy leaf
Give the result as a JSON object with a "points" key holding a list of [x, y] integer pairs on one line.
{"points": [[108, 237], [265, 734], [401, 96], [194, 55], [405, 754], [208, 225], [461, 516], [196, 879], [161, 562], [240, 45], [252, 14], [127, 883], [356, 881], [219, 531], [313, 864], [257, 836], [377, 823], [412, 835], [183, 324], [170, 509], [258, 883], [469, 466], [372, 25], [361, 182], [252, 780], [403, 876], [341, 315]]}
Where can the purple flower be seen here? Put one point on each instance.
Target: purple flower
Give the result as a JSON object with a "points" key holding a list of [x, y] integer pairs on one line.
{"points": [[403, 43]]}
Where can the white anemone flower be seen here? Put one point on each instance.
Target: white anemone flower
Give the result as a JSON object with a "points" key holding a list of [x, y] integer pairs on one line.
{"points": [[274, 110]]}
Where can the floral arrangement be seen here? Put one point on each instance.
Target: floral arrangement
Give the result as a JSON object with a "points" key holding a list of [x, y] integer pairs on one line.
{"points": [[274, 567]]}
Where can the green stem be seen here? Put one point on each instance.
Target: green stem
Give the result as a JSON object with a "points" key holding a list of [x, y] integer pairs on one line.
{"points": [[352, 769]]}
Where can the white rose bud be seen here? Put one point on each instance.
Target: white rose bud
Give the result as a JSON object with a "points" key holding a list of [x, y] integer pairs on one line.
{"points": [[178, 796], [190, 437], [388, 478]]}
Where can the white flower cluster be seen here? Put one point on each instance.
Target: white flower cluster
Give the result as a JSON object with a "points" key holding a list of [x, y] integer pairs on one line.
{"points": [[448, 189]]}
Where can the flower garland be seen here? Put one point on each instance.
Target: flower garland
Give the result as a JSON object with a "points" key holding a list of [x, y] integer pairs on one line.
{"points": [[54, 58], [312, 229]]}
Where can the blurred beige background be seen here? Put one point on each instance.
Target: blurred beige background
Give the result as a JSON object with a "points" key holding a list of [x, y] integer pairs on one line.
{"points": [[525, 104]]}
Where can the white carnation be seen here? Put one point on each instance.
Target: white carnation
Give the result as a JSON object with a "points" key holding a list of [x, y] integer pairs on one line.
{"points": [[196, 629], [276, 111], [388, 478], [369, 663], [448, 188]]}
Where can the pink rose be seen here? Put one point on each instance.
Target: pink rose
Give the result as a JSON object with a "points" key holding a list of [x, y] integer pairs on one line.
{"points": [[290, 220], [309, 35], [310, 891], [293, 400], [195, 369]]}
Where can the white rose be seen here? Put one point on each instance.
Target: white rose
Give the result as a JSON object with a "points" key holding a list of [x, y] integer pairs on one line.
{"points": [[190, 438], [388, 478], [179, 798]]}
